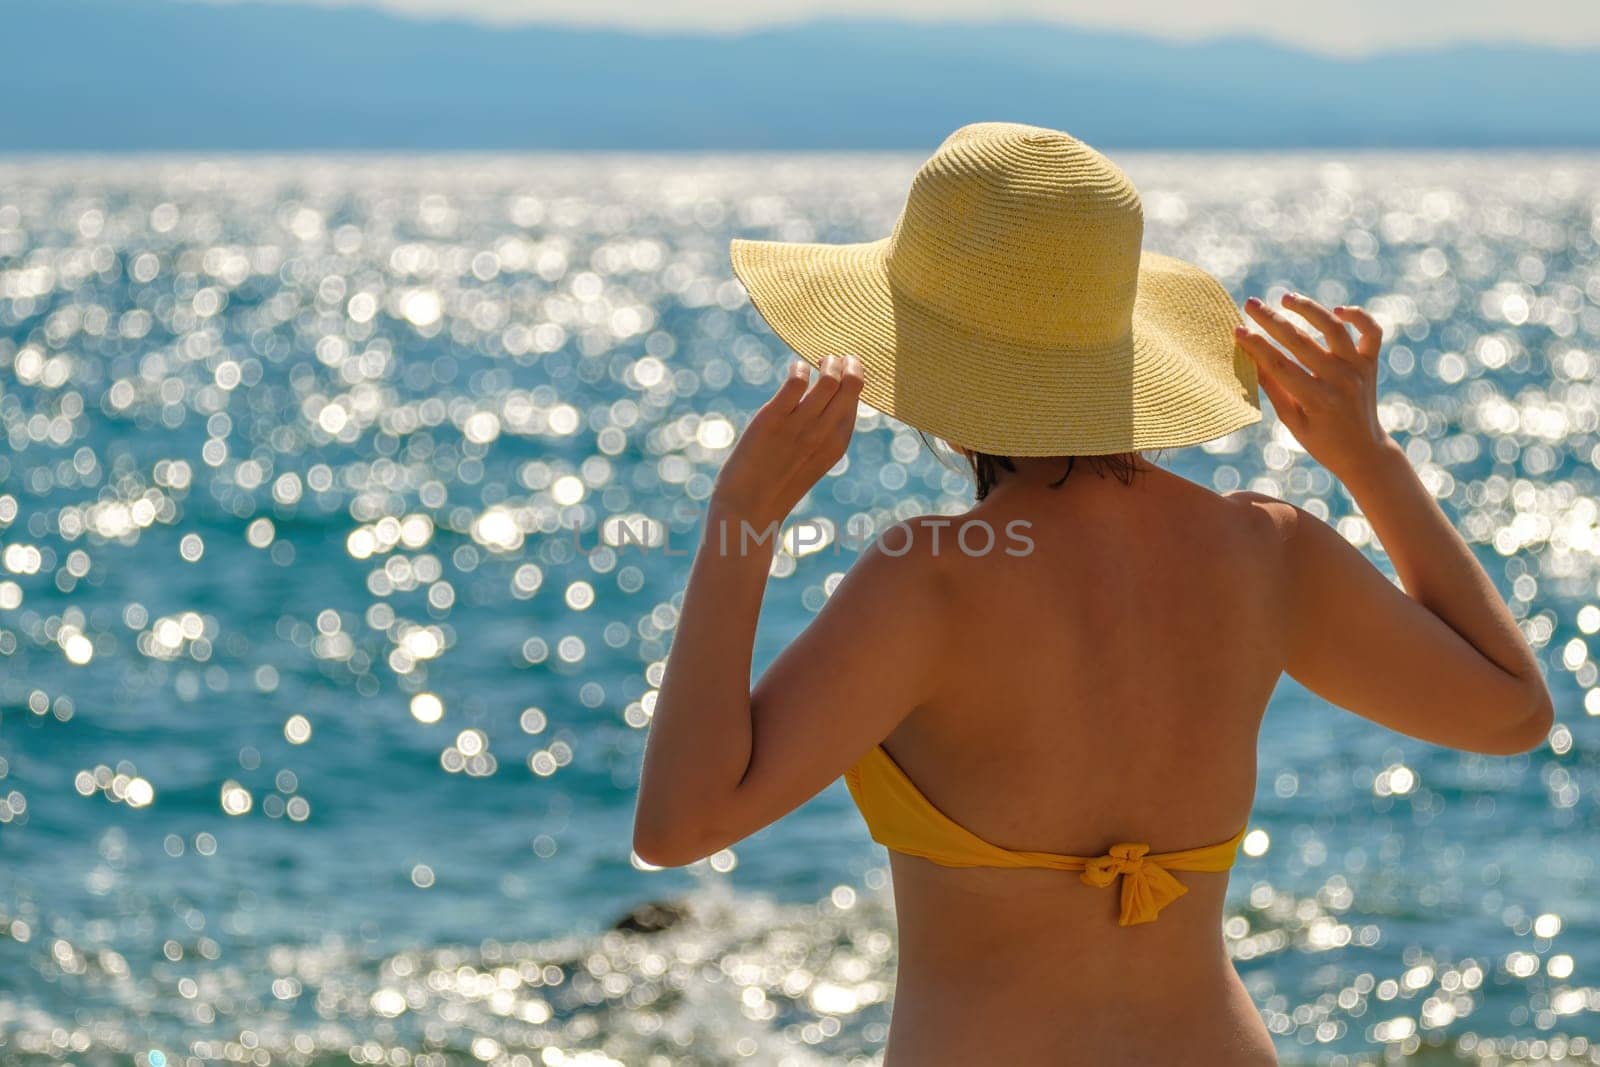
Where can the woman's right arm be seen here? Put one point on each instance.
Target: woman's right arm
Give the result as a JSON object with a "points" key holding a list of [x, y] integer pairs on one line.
{"points": [[1444, 660]]}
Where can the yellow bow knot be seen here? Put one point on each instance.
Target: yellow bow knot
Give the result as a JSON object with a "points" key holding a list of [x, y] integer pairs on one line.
{"points": [[1147, 887], [1121, 859]]}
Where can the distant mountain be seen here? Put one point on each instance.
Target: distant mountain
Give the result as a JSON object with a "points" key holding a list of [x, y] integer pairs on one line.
{"points": [[156, 74]]}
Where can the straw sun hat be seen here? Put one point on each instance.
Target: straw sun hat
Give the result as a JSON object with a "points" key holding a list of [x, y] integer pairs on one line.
{"points": [[1012, 310]]}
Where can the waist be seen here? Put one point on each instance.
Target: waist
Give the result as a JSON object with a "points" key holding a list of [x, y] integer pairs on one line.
{"points": [[987, 956], [1192, 1028]]}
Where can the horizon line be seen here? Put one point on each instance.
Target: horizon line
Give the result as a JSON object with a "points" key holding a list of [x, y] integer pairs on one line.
{"points": [[735, 31]]}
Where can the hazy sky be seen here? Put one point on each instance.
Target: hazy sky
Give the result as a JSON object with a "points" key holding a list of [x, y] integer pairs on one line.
{"points": [[1338, 26]]}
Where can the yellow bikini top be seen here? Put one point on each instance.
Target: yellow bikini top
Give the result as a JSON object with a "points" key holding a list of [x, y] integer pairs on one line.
{"points": [[903, 820]]}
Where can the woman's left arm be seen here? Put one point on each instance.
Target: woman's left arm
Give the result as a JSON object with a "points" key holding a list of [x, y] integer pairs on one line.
{"points": [[720, 764]]}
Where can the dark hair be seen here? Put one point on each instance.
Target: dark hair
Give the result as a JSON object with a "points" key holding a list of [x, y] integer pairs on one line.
{"points": [[987, 468]]}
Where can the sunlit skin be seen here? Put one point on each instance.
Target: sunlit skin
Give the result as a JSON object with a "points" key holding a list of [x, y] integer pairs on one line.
{"points": [[1107, 686]]}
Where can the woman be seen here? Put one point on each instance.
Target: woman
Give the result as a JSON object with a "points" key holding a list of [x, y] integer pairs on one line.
{"points": [[1055, 735]]}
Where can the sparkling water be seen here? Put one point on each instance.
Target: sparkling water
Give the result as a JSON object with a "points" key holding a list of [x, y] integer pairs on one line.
{"points": [[327, 642]]}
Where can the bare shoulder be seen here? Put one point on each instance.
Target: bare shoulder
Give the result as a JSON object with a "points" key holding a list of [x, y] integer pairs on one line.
{"points": [[1268, 512], [918, 551], [1308, 548], [922, 564], [1273, 523], [897, 594]]}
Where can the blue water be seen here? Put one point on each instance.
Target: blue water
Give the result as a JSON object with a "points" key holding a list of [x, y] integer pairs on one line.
{"points": [[305, 454]]}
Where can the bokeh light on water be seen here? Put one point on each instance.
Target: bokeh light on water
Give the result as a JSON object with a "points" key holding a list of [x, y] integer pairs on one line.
{"points": [[328, 637]]}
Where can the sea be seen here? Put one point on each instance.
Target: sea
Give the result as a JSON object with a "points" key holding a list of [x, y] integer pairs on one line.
{"points": [[328, 642]]}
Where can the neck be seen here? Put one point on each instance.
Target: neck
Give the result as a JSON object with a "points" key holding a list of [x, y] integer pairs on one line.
{"points": [[1045, 470]]}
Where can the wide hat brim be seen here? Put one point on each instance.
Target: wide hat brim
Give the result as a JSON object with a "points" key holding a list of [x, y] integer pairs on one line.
{"points": [[1178, 378]]}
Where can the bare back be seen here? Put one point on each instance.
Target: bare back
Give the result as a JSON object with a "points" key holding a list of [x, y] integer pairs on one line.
{"points": [[1108, 687]]}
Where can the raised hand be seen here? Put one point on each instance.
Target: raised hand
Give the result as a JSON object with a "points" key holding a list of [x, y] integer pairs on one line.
{"points": [[1327, 395], [791, 442]]}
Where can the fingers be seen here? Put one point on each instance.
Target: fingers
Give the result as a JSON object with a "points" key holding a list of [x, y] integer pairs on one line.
{"points": [[823, 422], [1271, 359], [822, 389], [1297, 341], [1287, 407], [833, 395], [1334, 332], [1272, 363], [1371, 334], [795, 439], [792, 388], [842, 405]]}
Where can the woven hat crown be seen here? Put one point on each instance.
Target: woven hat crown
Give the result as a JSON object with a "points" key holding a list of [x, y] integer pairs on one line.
{"points": [[1012, 309], [1025, 234]]}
